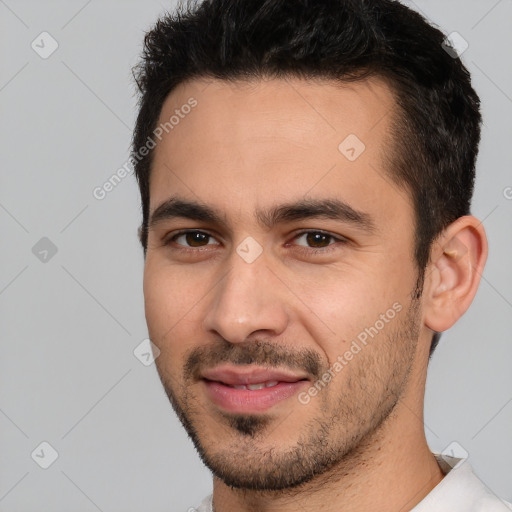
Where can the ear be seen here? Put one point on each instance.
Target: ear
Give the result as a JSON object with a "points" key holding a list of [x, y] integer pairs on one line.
{"points": [[457, 260]]}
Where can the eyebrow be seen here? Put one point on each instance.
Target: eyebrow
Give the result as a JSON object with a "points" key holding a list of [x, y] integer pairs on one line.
{"points": [[180, 208], [335, 209]]}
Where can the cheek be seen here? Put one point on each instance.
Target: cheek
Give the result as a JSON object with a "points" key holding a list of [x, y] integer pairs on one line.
{"points": [[338, 308], [171, 308]]}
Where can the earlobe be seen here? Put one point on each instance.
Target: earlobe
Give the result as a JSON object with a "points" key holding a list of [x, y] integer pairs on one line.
{"points": [[457, 261]]}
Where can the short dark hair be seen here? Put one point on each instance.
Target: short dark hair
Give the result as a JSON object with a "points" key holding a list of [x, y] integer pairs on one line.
{"points": [[435, 131]]}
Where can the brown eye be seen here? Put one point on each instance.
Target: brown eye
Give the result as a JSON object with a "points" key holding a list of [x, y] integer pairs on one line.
{"points": [[193, 239], [318, 239], [196, 239], [315, 239]]}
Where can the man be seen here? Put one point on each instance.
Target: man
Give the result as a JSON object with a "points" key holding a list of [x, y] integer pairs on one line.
{"points": [[306, 170]]}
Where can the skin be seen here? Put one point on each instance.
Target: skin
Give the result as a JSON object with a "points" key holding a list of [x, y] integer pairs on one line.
{"points": [[246, 148]]}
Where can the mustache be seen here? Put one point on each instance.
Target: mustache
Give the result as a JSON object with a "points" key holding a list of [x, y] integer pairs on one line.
{"points": [[258, 352]]}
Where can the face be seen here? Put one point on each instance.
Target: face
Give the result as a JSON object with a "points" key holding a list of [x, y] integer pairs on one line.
{"points": [[279, 274]]}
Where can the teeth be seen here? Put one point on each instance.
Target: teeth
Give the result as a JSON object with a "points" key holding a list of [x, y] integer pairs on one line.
{"points": [[261, 385], [256, 386]]}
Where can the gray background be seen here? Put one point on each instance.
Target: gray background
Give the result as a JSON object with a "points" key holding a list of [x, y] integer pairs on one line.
{"points": [[70, 324]]}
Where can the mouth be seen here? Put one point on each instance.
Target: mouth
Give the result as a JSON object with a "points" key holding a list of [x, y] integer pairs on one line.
{"points": [[250, 389], [253, 387]]}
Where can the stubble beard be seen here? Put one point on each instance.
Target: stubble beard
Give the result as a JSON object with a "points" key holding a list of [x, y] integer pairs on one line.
{"points": [[333, 441]]}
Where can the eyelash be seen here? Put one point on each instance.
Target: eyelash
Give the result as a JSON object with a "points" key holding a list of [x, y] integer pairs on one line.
{"points": [[335, 242], [168, 240], [304, 249]]}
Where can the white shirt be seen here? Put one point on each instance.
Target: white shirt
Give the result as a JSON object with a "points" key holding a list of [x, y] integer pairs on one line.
{"points": [[459, 491]]}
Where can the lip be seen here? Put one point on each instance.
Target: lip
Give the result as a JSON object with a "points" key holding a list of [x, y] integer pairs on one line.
{"points": [[218, 384], [243, 376]]}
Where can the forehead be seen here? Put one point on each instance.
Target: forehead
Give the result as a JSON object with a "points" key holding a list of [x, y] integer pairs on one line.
{"points": [[228, 112], [275, 139]]}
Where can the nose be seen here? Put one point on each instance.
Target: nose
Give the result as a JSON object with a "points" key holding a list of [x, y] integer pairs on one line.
{"points": [[246, 302]]}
